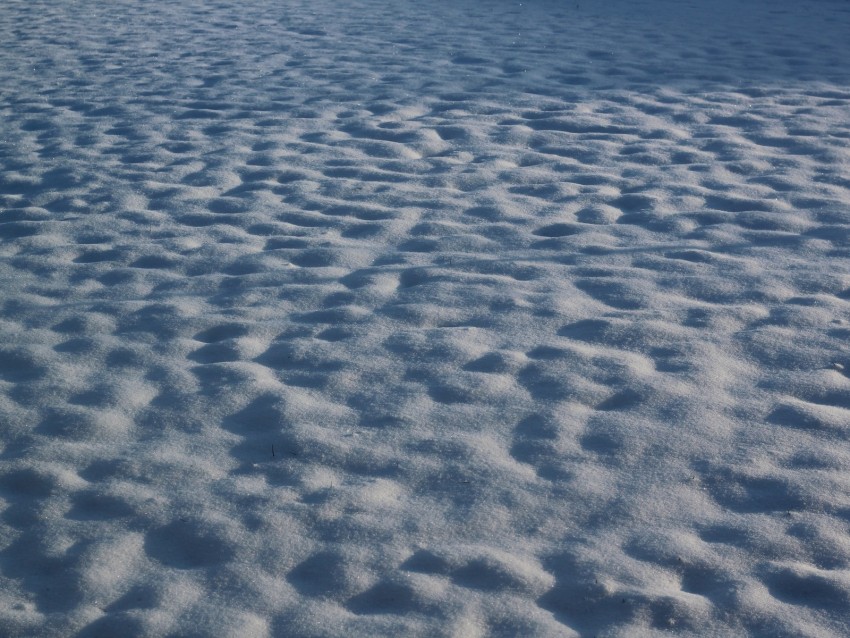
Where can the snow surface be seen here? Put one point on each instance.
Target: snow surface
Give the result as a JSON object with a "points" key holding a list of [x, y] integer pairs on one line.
{"points": [[404, 318]]}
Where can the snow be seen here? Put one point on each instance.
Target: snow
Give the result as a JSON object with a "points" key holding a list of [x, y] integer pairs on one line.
{"points": [[460, 319]]}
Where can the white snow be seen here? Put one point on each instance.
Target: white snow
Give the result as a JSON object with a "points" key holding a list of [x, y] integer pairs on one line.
{"points": [[459, 319]]}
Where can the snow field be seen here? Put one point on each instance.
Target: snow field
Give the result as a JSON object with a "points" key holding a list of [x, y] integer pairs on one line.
{"points": [[407, 319]]}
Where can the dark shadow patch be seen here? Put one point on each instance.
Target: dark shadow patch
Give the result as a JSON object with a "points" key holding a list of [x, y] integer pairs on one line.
{"points": [[187, 545], [809, 590], [557, 230], [624, 400], [323, 574], [385, 598]]}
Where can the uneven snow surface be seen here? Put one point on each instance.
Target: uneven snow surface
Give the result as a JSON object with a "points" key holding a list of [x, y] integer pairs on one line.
{"points": [[446, 318]]}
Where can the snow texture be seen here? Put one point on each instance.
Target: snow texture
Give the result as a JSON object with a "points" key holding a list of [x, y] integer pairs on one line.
{"points": [[448, 319]]}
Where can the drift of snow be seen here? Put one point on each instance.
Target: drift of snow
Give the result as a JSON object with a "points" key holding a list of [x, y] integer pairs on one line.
{"points": [[407, 318]]}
